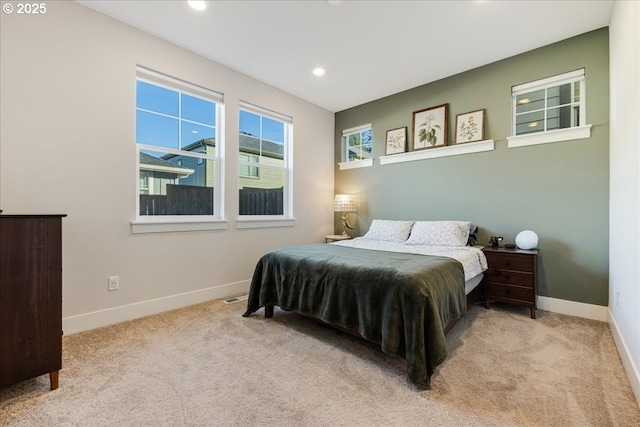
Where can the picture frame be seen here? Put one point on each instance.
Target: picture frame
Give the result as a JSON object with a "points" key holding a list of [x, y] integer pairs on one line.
{"points": [[470, 126], [430, 127], [396, 141]]}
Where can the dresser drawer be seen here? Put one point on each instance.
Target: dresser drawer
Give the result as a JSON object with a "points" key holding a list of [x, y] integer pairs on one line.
{"points": [[502, 291], [511, 262], [510, 277]]}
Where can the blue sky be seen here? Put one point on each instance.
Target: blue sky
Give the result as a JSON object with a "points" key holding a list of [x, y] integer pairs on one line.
{"points": [[163, 131]]}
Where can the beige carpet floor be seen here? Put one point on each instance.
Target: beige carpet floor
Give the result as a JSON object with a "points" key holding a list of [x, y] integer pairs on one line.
{"points": [[206, 365]]}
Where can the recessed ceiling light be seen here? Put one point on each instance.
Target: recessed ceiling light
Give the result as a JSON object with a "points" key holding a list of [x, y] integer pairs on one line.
{"points": [[334, 2], [318, 71], [198, 5]]}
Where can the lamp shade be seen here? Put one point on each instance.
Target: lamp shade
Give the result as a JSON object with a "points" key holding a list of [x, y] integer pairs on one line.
{"points": [[527, 239], [344, 203]]}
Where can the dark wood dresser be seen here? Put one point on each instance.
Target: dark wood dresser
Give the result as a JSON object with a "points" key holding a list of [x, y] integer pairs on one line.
{"points": [[511, 277], [30, 297]]}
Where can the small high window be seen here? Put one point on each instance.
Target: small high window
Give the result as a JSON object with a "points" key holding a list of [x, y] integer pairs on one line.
{"points": [[547, 107], [356, 143]]}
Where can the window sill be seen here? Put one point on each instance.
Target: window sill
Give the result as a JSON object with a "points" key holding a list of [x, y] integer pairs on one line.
{"points": [[176, 225], [356, 164], [431, 153], [559, 135], [264, 222]]}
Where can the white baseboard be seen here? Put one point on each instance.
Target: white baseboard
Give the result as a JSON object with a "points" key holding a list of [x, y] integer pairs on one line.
{"points": [[572, 308], [632, 370], [97, 319]]}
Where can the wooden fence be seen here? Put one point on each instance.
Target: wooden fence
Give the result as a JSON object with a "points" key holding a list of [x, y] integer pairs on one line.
{"points": [[195, 200], [261, 201], [179, 200]]}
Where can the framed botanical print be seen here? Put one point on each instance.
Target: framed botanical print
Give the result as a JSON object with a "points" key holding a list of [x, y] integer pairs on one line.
{"points": [[430, 127], [396, 141], [470, 127]]}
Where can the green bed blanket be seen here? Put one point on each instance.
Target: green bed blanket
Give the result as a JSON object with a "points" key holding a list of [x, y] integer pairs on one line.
{"points": [[398, 300]]}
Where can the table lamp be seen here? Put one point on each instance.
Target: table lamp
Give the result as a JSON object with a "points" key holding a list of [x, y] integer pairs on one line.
{"points": [[344, 203]]}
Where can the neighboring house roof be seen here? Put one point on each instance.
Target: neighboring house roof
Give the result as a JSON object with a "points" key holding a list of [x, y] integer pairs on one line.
{"points": [[211, 142], [155, 164], [251, 144], [248, 144], [193, 147]]}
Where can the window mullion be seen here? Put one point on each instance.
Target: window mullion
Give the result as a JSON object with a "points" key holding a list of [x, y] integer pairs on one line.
{"points": [[169, 116], [546, 108], [260, 136], [180, 120], [583, 102]]}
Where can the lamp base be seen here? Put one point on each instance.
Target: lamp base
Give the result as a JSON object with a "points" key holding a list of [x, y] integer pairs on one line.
{"points": [[345, 225]]}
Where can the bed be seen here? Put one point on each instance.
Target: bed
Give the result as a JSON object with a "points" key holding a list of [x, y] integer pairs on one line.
{"points": [[402, 285]]}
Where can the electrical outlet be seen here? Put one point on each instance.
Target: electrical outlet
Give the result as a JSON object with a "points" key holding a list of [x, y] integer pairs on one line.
{"points": [[114, 283], [617, 299]]}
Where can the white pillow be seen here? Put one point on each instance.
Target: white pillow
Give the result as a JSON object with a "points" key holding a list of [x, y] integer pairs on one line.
{"points": [[389, 230], [439, 233]]}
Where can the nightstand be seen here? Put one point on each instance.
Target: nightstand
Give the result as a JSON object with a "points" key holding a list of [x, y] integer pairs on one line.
{"points": [[335, 238], [511, 277]]}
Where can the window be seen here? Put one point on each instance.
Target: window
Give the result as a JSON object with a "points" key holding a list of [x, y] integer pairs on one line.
{"points": [[356, 143], [178, 151], [265, 139], [356, 147], [552, 106]]}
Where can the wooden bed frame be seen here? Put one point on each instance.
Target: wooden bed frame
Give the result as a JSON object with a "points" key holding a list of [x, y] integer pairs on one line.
{"points": [[472, 297]]}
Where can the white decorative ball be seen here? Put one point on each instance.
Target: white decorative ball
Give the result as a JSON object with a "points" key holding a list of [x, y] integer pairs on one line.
{"points": [[527, 239]]}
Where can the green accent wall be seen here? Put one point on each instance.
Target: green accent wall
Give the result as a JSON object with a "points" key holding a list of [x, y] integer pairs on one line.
{"points": [[559, 190]]}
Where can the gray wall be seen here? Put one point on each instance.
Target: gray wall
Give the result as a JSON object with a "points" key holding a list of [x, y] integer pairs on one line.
{"points": [[559, 190]]}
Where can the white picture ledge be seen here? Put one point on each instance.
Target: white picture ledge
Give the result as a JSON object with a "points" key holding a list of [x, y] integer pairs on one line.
{"points": [[432, 153], [356, 164], [559, 135]]}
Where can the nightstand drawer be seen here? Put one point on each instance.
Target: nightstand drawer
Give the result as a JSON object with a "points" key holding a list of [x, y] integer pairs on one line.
{"points": [[510, 277], [499, 290], [510, 262]]}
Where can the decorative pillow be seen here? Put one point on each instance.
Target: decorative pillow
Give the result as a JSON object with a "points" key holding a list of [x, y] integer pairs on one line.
{"points": [[389, 230], [440, 233]]}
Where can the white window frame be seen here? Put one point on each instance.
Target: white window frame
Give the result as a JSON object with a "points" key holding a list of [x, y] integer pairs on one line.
{"points": [[286, 219], [353, 164], [171, 223], [581, 131]]}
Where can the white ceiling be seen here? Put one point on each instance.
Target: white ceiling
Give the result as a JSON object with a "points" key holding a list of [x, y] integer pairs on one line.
{"points": [[370, 49]]}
